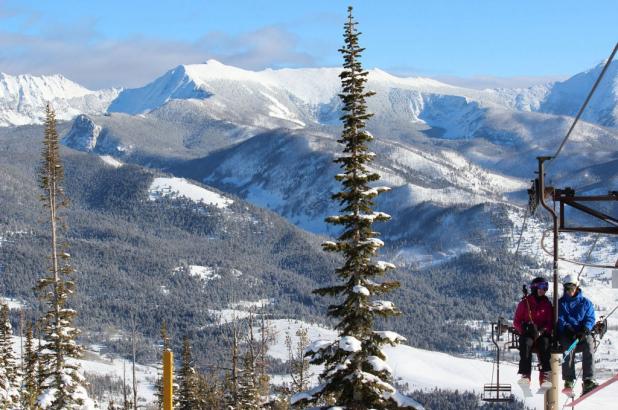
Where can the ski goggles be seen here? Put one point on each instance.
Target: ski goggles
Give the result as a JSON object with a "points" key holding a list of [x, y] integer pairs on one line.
{"points": [[570, 286], [540, 285]]}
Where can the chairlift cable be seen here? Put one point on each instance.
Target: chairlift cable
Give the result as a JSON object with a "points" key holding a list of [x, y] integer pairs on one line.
{"points": [[594, 244], [590, 265], [585, 104], [521, 233]]}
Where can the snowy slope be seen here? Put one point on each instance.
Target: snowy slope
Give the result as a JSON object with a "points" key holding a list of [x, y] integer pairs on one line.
{"points": [[93, 362], [180, 187], [23, 98], [426, 370], [296, 98], [293, 175], [566, 97]]}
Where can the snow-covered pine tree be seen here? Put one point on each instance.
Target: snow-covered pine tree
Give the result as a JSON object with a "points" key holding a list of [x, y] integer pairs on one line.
{"points": [[355, 374], [248, 390], [9, 374], [62, 387], [261, 365], [299, 365], [188, 393], [210, 391], [30, 385]]}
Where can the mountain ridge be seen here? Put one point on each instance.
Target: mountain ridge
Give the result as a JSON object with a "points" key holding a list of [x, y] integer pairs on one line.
{"points": [[294, 97]]}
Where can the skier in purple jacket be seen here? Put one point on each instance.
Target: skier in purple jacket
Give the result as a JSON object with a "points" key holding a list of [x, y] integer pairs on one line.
{"points": [[576, 319]]}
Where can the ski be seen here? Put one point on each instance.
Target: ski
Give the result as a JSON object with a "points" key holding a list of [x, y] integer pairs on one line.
{"points": [[525, 386], [593, 391]]}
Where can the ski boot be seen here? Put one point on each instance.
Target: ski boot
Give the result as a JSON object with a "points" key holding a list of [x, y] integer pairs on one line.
{"points": [[544, 382], [524, 383], [568, 388], [589, 385]]}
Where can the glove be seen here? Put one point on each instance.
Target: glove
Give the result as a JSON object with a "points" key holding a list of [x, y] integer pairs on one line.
{"points": [[582, 333], [569, 331]]}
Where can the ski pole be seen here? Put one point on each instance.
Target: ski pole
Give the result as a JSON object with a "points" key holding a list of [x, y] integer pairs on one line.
{"points": [[568, 351], [611, 313]]}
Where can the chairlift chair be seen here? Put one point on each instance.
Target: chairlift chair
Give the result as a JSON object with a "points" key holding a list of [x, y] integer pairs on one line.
{"points": [[497, 392]]}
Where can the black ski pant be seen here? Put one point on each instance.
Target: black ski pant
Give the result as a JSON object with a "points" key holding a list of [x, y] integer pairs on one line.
{"points": [[526, 345], [586, 346]]}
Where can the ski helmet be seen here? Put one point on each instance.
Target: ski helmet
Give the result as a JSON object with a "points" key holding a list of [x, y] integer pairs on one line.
{"points": [[570, 279], [539, 283]]}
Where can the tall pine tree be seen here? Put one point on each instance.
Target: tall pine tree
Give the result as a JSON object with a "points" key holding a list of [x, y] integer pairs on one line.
{"points": [[188, 393], [62, 386], [30, 385], [9, 374], [355, 374], [248, 389]]}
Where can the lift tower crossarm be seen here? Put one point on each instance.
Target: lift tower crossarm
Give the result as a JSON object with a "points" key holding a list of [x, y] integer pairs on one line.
{"points": [[567, 197]]}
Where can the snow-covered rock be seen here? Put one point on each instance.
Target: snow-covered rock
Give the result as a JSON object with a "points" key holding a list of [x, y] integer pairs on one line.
{"points": [[83, 135]]}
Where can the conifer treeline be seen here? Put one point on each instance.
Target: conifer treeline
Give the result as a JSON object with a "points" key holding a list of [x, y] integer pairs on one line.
{"points": [[243, 382]]}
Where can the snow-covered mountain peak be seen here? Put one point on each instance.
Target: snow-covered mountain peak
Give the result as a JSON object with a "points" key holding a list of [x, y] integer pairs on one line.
{"points": [[215, 70], [566, 97], [40, 86], [23, 98]]}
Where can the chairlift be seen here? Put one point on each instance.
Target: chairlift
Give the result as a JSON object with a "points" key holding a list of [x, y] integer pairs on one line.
{"points": [[496, 392]]}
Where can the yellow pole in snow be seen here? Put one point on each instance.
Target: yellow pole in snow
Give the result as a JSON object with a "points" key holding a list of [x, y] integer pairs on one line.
{"points": [[168, 375]]}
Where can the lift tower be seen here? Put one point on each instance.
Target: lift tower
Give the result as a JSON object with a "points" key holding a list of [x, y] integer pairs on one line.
{"points": [[566, 197]]}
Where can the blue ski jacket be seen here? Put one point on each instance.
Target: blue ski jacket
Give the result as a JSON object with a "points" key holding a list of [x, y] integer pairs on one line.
{"points": [[576, 311]]}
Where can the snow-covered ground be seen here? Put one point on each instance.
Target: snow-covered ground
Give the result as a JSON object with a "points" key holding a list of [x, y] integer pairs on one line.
{"points": [[13, 304], [180, 187], [426, 370], [416, 368], [109, 160], [205, 273], [93, 362]]}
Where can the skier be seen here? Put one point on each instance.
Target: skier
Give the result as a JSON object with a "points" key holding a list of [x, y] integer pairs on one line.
{"points": [[534, 324], [575, 321]]}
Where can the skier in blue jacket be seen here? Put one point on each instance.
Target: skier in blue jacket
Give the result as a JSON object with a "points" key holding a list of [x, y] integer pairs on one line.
{"points": [[575, 321]]}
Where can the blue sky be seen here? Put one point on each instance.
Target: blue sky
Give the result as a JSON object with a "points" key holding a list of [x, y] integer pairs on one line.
{"points": [[477, 43]]}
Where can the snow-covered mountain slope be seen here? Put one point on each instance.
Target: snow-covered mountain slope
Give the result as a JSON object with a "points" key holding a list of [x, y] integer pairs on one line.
{"points": [[23, 98], [404, 108], [566, 97], [180, 188], [297, 98], [293, 174], [177, 130]]}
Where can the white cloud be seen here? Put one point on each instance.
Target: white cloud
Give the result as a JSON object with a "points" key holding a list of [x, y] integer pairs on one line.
{"points": [[84, 56]]}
